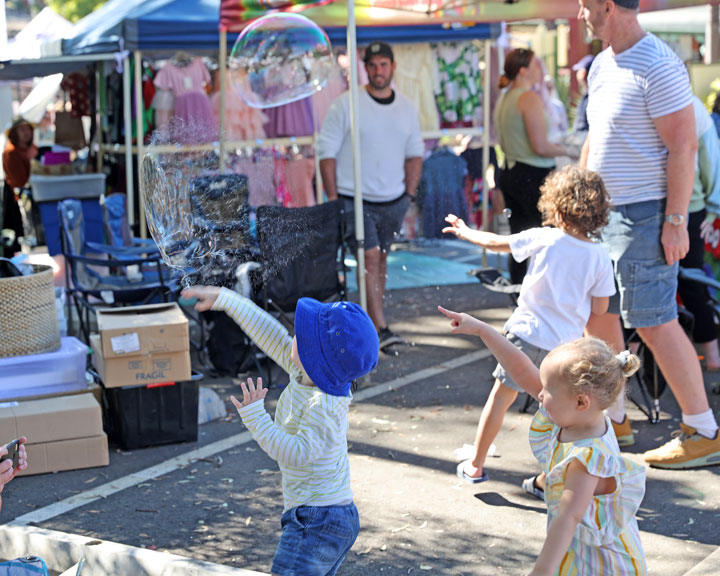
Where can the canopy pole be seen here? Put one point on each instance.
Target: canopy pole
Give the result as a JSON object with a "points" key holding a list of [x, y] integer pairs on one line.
{"points": [[355, 140], [140, 136], [486, 139], [127, 117], [222, 66], [99, 116]]}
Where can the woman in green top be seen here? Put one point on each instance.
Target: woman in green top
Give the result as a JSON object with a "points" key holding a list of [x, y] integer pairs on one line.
{"points": [[522, 127]]}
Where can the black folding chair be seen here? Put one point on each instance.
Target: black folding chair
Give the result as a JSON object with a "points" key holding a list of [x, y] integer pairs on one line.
{"points": [[302, 254]]}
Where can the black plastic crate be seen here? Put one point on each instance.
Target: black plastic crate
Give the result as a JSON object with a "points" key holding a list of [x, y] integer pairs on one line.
{"points": [[142, 416]]}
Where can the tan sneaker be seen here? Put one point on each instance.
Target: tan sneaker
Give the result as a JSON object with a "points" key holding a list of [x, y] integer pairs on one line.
{"points": [[623, 432], [687, 449]]}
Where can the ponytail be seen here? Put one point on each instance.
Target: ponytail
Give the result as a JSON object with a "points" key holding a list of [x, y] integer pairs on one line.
{"points": [[514, 61]]}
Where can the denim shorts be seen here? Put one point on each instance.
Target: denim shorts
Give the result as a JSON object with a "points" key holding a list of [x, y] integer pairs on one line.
{"points": [[535, 354], [315, 540], [383, 221], [646, 285]]}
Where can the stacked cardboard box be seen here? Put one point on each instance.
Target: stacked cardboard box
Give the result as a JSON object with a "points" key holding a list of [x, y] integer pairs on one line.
{"points": [[141, 345], [64, 433]]}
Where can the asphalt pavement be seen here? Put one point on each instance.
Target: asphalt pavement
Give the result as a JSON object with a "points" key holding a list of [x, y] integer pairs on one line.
{"points": [[219, 500]]}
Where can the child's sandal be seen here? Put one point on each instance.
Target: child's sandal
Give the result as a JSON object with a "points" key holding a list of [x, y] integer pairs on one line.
{"points": [[530, 486]]}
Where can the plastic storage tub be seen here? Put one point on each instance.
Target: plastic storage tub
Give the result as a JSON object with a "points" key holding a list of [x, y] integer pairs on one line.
{"points": [[142, 416], [54, 188], [39, 374]]}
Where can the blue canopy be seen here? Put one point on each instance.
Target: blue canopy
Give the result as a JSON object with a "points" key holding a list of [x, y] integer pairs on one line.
{"points": [[192, 25]]}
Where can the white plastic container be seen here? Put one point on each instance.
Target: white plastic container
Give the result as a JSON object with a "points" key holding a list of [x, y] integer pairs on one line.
{"points": [[38, 374], [54, 188]]}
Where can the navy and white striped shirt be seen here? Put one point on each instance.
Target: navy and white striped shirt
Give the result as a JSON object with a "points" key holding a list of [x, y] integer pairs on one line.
{"points": [[627, 91]]}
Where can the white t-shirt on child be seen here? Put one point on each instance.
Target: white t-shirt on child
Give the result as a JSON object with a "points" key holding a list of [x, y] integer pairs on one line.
{"points": [[563, 275]]}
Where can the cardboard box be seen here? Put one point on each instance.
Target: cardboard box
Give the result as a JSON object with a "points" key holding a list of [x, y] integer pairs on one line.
{"points": [[52, 419], [142, 345], [92, 388], [67, 455]]}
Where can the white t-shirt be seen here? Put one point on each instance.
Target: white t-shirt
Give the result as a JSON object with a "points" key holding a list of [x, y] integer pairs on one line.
{"points": [[627, 91], [389, 134], [563, 275]]}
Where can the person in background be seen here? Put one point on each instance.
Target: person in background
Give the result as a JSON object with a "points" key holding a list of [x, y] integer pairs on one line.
{"points": [[391, 152], [19, 151], [523, 127], [704, 208], [715, 115], [582, 69]]}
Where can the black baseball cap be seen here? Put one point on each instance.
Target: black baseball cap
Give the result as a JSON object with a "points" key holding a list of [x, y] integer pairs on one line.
{"points": [[378, 49], [631, 4]]}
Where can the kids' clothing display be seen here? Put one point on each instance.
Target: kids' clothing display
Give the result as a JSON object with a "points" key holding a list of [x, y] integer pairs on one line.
{"points": [[308, 438], [607, 539], [554, 305], [192, 105]]}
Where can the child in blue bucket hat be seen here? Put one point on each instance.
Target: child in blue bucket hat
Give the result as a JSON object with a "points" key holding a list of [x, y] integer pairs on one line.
{"points": [[334, 344]]}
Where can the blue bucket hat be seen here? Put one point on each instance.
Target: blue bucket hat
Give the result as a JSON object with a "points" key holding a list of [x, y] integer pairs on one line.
{"points": [[336, 343]]}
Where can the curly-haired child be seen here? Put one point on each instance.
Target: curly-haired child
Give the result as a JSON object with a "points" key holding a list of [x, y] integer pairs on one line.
{"points": [[592, 492], [569, 275]]}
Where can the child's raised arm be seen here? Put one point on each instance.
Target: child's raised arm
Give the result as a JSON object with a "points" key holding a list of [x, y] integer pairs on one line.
{"points": [[487, 240], [516, 363], [579, 489]]}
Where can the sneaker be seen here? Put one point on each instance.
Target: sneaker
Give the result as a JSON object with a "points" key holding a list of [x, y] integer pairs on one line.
{"points": [[387, 338], [623, 432], [687, 449]]}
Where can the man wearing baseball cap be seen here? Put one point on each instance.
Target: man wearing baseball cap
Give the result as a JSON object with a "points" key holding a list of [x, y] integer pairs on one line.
{"points": [[642, 141], [391, 150]]}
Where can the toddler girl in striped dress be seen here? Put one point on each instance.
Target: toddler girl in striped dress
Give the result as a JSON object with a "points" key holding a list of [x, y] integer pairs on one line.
{"points": [[334, 344], [592, 492]]}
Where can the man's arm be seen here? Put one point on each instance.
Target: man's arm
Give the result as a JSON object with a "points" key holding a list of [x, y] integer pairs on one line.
{"points": [[677, 132], [328, 167], [413, 169]]}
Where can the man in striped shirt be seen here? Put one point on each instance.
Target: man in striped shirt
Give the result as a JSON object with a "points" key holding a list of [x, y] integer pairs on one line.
{"points": [[642, 142]]}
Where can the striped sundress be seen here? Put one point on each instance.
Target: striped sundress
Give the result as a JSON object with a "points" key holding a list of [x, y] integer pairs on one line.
{"points": [[607, 539]]}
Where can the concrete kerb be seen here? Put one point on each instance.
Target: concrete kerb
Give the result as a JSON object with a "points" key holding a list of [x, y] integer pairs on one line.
{"points": [[61, 551], [708, 567]]}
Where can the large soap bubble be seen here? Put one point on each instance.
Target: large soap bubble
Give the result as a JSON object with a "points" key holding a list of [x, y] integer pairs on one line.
{"points": [[197, 215], [280, 58]]}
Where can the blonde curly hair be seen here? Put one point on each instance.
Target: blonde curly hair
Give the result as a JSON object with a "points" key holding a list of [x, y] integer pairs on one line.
{"points": [[594, 369], [575, 200]]}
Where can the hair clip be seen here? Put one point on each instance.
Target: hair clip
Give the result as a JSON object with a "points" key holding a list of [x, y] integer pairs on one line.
{"points": [[623, 357]]}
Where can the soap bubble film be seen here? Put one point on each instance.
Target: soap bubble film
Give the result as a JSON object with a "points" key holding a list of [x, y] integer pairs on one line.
{"points": [[197, 216], [280, 58]]}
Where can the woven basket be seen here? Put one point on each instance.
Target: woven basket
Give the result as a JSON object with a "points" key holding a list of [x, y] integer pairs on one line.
{"points": [[28, 317]]}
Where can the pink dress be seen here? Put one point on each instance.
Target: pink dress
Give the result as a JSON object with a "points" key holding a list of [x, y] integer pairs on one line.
{"points": [[194, 120]]}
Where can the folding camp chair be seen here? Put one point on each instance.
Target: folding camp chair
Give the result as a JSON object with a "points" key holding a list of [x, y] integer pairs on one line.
{"points": [[117, 229], [302, 254], [87, 287]]}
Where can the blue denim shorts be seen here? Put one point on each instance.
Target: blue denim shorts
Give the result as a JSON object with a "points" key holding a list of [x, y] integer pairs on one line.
{"points": [[646, 285], [535, 354], [315, 540]]}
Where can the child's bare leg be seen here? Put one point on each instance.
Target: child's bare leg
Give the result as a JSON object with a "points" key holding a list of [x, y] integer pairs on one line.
{"points": [[491, 419]]}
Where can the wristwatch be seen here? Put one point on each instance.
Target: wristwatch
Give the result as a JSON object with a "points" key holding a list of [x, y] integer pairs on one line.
{"points": [[675, 219]]}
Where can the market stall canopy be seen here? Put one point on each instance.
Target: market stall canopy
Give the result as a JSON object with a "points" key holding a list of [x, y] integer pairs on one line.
{"points": [[681, 21], [168, 25], [234, 14], [12, 70]]}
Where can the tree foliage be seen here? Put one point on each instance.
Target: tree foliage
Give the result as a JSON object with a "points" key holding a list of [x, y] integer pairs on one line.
{"points": [[74, 10]]}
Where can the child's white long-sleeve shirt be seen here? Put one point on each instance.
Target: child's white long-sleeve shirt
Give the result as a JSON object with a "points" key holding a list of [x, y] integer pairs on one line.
{"points": [[308, 438]]}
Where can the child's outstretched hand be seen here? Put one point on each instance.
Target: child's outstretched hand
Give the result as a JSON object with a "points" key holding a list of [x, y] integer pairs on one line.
{"points": [[206, 296], [251, 393], [457, 226], [462, 323]]}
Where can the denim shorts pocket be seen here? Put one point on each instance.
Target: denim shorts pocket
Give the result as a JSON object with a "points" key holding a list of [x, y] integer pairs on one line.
{"points": [[649, 299], [337, 535]]}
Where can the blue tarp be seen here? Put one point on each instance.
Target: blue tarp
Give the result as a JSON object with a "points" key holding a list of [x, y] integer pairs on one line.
{"points": [[192, 25]]}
